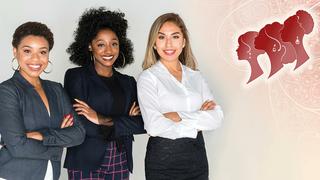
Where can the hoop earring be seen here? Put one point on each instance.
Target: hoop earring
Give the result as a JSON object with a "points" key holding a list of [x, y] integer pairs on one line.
{"points": [[12, 66], [92, 57], [47, 72], [123, 59]]}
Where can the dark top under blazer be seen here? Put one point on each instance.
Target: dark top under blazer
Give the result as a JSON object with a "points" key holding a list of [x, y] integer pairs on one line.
{"points": [[22, 110], [84, 83]]}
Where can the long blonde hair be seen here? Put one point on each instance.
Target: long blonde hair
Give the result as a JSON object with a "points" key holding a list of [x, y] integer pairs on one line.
{"points": [[151, 57]]}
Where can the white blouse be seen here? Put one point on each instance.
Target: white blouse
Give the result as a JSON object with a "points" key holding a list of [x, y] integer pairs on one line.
{"points": [[49, 173], [160, 92]]}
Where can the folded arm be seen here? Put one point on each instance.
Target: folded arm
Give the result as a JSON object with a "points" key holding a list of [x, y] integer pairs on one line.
{"points": [[155, 122], [13, 131], [208, 117]]}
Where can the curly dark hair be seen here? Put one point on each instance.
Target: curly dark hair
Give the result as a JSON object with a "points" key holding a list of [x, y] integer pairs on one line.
{"points": [[35, 29], [90, 23]]}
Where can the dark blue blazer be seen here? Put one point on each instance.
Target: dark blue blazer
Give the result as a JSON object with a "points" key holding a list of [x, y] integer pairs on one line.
{"points": [[84, 83], [21, 111]]}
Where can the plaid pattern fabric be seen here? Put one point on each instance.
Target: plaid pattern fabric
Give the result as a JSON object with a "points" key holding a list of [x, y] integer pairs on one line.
{"points": [[113, 167]]}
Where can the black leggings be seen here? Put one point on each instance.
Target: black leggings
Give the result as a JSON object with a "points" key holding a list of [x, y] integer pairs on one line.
{"points": [[180, 159]]}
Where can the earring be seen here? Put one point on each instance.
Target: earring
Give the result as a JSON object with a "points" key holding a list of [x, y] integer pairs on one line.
{"points": [[274, 48], [154, 47], [92, 57], [47, 72], [123, 59], [297, 41], [12, 65]]}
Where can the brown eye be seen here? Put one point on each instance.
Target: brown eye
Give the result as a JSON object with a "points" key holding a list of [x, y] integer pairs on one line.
{"points": [[27, 51], [44, 52], [160, 37], [100, 45], [176, 37]]}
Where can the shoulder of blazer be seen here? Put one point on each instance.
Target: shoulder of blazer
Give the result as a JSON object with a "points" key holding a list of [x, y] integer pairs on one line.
{"points": [[124, 77], [126, 80], [77, 71], [77, 75]]}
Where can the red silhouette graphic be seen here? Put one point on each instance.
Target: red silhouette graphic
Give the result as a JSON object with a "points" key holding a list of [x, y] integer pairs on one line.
{"points": [[283, 44], [279, 52], [294, 29], [247, 51]]}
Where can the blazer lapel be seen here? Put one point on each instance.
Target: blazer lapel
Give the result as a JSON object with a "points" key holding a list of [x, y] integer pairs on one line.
{"points": [[127, 89]]}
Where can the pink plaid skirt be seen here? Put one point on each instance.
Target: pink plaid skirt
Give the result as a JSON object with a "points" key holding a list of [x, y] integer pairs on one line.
{"points": [[113, 167]]}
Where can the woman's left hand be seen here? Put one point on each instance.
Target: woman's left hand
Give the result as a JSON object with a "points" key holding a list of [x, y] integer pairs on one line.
{"points": [[208, 105], [173, 116], [35, 135], [82, 108]]}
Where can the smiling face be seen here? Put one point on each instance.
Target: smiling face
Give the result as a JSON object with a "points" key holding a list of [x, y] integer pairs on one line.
{"points": [[170, 42], [32, 54], [105, 49]]}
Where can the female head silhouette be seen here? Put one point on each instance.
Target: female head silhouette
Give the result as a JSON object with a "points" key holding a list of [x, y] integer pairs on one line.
{"points": [[247, 51], [293, 32], [305, 20], [279, 52]]}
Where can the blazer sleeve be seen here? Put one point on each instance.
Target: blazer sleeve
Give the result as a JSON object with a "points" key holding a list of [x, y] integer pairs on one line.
{"points": [[65, 137], [13, 131], [128, 125], [75, 84]]}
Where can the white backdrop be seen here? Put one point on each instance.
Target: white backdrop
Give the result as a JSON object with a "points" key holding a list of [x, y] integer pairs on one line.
{"points": [[270, 130], [61, 17]]}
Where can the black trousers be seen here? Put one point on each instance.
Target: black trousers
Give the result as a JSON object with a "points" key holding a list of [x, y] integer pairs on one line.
{"points": [[180, 159]]}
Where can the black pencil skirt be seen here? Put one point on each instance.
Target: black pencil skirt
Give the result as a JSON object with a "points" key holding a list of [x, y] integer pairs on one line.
{"points": [[180, 159]]}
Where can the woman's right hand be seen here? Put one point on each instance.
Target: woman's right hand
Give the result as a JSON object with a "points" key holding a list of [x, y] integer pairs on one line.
{"points": [[134, 110], [208, 105], [67, 121], [84, 109]]}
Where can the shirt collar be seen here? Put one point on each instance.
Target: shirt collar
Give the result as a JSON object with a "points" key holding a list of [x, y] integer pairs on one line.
{"points": [[162, 68]]}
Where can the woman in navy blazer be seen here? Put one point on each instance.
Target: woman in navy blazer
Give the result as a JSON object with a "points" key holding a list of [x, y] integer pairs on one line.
{"points": [[36, 116], [105, 98]]}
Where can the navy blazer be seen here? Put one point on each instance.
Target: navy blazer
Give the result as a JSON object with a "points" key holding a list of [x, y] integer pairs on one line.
{"points": [[21, 111], [84, 83]]}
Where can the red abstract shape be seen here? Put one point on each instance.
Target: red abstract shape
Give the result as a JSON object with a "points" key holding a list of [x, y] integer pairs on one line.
{"points": [[294, 29], [282, 43], [279, 52], [247, 51]]}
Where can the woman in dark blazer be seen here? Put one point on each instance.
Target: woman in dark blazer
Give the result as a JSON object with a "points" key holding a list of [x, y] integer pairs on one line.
{"points": [[105, 98], [36, 116]]}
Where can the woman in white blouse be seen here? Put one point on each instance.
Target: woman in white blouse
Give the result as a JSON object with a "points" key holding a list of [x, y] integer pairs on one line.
{"points": [[176, 104]]}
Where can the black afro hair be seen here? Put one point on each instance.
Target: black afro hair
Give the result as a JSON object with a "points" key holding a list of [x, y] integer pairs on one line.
{"points": [[90, 23]]}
